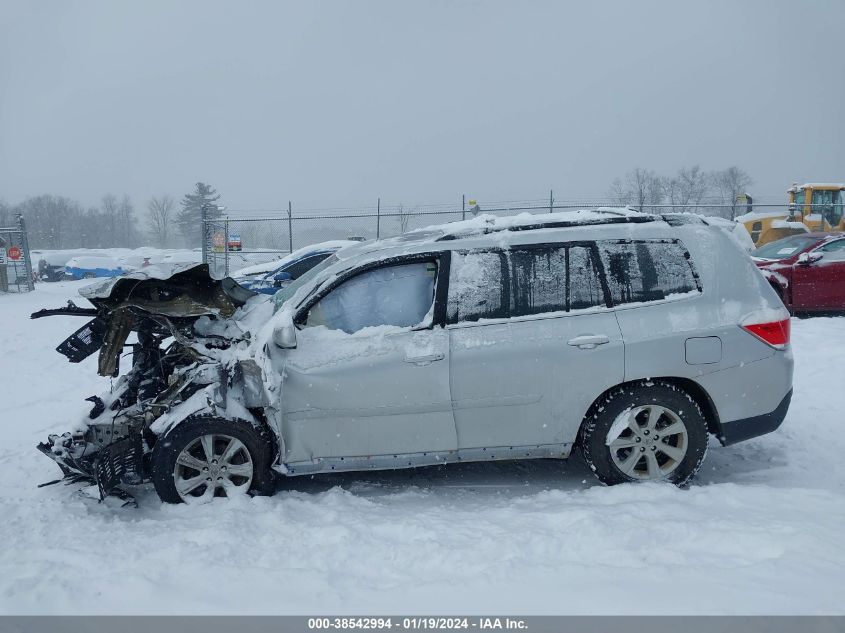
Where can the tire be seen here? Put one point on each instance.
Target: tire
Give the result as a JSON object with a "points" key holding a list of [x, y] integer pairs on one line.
{"points": [[651, 407], [180, 457]]}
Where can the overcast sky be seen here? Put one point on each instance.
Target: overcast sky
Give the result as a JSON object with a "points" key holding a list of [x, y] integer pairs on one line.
{"points": [[336, 103]]}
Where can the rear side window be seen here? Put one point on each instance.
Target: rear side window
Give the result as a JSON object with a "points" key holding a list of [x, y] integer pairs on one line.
{"points": [[651, 270], [585, 290], [522, 282], [538, 280]]}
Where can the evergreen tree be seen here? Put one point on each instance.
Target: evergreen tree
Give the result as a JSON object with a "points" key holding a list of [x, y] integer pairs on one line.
{"points": [[190, 217]]}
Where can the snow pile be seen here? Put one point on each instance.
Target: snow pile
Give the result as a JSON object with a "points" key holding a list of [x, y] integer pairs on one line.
{"points": [[758, 532]]}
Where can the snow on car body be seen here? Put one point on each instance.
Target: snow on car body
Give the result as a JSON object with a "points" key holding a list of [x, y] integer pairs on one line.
{"points": [[493, 338], [89, 267]]}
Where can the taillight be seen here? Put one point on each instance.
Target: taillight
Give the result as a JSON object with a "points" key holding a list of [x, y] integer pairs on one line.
{"points": [[774, 333]]}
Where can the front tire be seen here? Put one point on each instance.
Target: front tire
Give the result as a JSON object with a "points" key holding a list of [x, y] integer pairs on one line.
{"points": [[646, 431], [203, 458]]}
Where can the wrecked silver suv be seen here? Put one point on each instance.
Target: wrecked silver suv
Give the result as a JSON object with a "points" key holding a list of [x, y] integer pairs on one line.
{"points": [[631, 336]]}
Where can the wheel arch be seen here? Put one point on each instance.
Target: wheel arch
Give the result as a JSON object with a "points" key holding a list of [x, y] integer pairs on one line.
{"points": [[690, 387]]}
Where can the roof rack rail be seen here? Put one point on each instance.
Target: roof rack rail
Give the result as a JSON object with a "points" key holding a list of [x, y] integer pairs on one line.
{"points": [[617, 218]]}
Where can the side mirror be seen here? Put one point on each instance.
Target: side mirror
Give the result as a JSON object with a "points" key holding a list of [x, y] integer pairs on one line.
{"points": [[284, 334], [805, 259]]}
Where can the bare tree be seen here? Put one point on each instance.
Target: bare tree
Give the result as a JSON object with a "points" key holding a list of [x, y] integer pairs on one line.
{"points": [[641, 188], [730, 183], [161, 219], [688, 188], [404, 216]]}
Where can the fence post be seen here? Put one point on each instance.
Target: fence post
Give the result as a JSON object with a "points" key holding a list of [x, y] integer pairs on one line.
{"points": [[27, 258], [551, 200], [204, 230], [463, 206], [226, 250], [378, 218], [290, 228]]}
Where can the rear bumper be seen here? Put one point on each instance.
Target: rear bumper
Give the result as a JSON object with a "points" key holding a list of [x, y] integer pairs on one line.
{"points": [[740, 430]]}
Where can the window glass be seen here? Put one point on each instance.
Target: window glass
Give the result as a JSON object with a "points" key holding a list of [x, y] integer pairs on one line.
{"points": [[296, 269], [400, 295], [522, 282], [784, 248], [289, 290], [538, 280], [585, 290], [646, 270], [477, 287]]}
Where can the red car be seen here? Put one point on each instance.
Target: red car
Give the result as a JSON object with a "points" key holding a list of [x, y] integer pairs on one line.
{"points": [[806, 270]]}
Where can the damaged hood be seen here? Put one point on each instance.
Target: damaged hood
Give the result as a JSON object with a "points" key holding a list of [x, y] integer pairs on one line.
{"points": [[172, 290], [156, 302]]}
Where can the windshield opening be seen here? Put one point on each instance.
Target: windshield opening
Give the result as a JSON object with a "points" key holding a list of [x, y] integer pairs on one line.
{"points": [[289, 290], [787, 247]]}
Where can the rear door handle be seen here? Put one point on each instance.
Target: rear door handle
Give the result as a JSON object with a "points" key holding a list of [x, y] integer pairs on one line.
{"points": [[424, 360], [588, 341]]}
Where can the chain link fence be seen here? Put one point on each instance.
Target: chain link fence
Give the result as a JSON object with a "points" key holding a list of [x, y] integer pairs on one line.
{"points": [[250, 236], [15, 263]]}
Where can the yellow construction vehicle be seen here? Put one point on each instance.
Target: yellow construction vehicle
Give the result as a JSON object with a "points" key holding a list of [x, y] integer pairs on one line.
{"points": [[812, 207]]}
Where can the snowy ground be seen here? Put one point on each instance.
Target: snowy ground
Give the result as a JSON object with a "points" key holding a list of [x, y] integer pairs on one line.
{"points": [[760, 531]]}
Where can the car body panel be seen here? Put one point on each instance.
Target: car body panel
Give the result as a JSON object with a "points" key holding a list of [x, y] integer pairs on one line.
{"points": [[513, 382]]}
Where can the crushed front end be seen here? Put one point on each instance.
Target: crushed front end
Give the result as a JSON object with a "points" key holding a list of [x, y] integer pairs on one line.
{"points": [[182, 319]]}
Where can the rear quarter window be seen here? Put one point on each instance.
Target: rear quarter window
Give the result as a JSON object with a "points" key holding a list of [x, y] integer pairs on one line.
{"points": [[648, 270]]}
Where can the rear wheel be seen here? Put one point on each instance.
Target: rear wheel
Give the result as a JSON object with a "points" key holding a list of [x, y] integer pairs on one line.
{"points": [[647, 431], [205, 458]]}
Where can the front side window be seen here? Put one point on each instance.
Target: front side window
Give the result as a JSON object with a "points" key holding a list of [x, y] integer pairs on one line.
{"points": [[642, 271], [834, 250], [398, 295]]}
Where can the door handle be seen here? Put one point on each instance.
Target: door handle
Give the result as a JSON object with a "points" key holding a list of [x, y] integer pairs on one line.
{"points": [[588, 341], [424, 360]]}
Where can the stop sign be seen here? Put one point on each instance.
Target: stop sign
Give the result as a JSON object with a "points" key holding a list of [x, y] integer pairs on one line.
{"points": [[14, 253]]}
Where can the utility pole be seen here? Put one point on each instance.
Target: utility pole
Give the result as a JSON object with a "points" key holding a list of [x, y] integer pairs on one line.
{"points": [[551, 200], [378, 218], [463, 206]]}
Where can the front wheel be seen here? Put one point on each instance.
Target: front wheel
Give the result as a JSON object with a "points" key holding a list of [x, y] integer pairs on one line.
{"points": [[646, 431], [203, 458]]}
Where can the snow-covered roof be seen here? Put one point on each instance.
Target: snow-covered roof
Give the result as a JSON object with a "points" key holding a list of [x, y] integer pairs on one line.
{"points": [[783, 224], [816, 185], [92, 261], [761, 215]]}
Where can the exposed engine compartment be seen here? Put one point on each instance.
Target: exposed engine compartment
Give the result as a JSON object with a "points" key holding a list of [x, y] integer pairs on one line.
{"points": [[182, 321]]}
